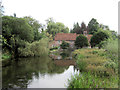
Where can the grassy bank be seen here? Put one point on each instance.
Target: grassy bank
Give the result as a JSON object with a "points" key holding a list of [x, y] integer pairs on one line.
{"points": [[98, 70]]}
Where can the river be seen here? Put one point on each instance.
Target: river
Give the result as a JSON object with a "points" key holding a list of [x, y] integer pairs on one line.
{"points": [[39, 72]]}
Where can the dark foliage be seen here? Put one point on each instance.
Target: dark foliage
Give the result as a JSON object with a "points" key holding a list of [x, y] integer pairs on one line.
{"points": [[81, 41], [98, 37]]}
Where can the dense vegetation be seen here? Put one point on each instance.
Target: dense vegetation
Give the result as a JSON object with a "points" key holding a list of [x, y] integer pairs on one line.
{"points": [[19, 35], [77, 29], [92, 27], [98, 37], [24, 37], [81, 41], [56, 27], [64, 45], [98, 69]]}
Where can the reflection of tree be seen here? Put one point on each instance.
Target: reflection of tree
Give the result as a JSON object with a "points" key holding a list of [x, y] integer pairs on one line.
{"points": [[20, 73]]}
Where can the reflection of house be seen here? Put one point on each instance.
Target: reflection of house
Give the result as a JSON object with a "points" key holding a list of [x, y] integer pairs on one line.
{"points": [[68, 37]]}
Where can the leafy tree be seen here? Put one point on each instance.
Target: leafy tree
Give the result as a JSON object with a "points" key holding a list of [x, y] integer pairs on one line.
{"points": [[49, 20], [104, 27], [76, 29], [45, 34], [64, 45], [17, 27], [98, 37], [81, 41], [15, 32], [56, 27], [82, 28], [35, 25], [93, 26]]}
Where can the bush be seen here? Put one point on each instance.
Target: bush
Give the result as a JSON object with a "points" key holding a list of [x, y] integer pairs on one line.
{"points": [[81, 65], [98, 37], [64, 45], [112, 46], [37, 48], [110, 64], [94, 52], [81, 41]]}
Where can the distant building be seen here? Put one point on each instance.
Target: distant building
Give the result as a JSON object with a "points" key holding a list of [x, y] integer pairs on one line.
{"points": [[68, 37]]}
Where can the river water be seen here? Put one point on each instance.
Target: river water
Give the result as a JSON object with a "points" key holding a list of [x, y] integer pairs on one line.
{"points": [[40, 72]]}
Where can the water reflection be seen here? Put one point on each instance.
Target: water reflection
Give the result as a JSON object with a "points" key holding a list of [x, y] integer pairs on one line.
{"points": [[35, 73], [62, 55]]}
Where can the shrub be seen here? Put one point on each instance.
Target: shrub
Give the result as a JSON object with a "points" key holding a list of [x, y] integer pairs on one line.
{"points": [[64, 45], [81, 41], [111, 64], [98, 37], [80, 56], [81, 65], [112, 46], [64, 55], [94, 52], [37, 48]]}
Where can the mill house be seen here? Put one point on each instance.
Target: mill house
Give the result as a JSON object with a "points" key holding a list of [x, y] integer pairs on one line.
{"points": [[68, 37]]}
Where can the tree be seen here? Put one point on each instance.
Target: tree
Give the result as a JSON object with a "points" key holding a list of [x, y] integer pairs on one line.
{"points": [[76, 29], [64, 45], [93, 26], [35, 25], [98, 37], [15, 32], [104, 27], [56, 27], [81, 41], [82, 28]]}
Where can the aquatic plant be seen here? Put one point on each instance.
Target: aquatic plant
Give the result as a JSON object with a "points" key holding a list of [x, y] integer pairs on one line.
{"points": [[88, 80]]}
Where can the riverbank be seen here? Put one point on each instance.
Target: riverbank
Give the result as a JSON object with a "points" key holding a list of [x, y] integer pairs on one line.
{"points": [[97, 69]]}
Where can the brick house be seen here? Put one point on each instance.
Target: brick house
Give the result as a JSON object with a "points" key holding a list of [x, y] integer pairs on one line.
{"points": [[67, 37]]}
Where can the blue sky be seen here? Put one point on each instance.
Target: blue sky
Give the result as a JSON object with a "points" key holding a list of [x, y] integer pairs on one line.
{"points": [[66, 11]]}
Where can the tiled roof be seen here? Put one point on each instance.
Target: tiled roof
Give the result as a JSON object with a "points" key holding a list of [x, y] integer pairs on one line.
{"points": [[69, 36], [65, 36]]}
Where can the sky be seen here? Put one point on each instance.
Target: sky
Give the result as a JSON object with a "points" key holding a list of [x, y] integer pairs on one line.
{"points": [[66, 11]]}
